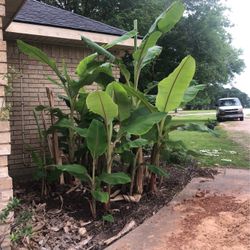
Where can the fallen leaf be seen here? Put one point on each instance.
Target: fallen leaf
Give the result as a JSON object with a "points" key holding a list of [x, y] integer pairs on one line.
{"points": [[66, 229], [55, 229], [82, 223], [82, 231], [129, 226], [82, 243]]}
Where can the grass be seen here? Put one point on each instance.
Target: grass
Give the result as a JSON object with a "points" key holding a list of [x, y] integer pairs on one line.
{"points": [[199, 116], [195, 111], [213, 151]]}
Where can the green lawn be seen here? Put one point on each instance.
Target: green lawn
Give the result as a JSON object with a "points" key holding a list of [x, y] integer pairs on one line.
{"points": [[214, 151], [195, 111], [191, 115]]}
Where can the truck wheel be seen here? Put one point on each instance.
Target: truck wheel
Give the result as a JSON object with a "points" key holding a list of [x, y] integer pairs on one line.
{"points": [[242, 118]]}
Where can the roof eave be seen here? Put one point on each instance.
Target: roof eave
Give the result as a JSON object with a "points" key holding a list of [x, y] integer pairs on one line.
{"points": [[50, 32], [11, 7]]}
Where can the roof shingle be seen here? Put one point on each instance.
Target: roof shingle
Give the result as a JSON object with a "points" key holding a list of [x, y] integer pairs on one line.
{"points": [[43, 14]]}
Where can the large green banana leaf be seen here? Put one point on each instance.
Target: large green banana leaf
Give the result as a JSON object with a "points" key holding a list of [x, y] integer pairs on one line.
{"points": [[38, 54], [164, 23], [191, 92], [121, 39], [96, 139], [99, 49], [99, 102], [84, 66], [141, 121], [140, 96], [172, 88], [120, 97]]}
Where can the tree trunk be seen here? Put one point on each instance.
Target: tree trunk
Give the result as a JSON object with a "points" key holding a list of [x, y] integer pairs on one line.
{"points": [[140, 172], [154, 161]]}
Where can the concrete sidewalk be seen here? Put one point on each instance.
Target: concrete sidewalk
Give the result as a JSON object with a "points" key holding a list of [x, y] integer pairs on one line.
{"points": [[154, 233]]}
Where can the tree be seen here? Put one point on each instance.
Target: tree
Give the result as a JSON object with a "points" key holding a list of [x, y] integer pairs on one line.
{"points": [[203, 32], [207, 98]]}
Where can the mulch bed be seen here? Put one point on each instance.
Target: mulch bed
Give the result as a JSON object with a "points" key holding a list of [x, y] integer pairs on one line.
{"points": [[63, 221]]}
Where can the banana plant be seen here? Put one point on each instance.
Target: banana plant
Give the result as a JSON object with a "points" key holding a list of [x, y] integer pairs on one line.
{"points": [[99, 102], [173, 91], [123, 117], [133, 124], [97, 135], [114, 106], [89, 70], [144, 54], [148, 50], [96, 138], [97, 143]]}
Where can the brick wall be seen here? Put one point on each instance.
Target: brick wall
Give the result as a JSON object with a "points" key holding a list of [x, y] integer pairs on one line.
{"points": [[31, 82], [5, 180]]}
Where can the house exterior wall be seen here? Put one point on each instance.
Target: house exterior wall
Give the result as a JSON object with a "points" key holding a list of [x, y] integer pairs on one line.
{"points": [[30, 82], [5, 181]]}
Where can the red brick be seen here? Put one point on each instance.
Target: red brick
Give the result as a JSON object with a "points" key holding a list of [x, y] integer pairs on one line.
{"points": [[4, 126], [5, 183], [4, 137], [3, 172], [3, 204], [3, 68], [3, 56], [2, 10], [5, 149], [3, 160], [3, 81], [6, 195], [2, 46]]}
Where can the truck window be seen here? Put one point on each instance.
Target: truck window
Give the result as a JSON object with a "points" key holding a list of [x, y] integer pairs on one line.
{"points": [[229, 102]]}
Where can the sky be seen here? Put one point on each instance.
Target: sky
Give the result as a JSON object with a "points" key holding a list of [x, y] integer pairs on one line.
{"points": [[240, 17]]}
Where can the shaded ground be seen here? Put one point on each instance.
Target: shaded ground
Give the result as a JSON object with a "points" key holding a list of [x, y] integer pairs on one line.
{"points": [[207, 214], [63, 220]]}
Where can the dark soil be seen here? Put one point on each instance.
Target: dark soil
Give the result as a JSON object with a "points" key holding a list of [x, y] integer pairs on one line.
{"points": [[63, 221]]}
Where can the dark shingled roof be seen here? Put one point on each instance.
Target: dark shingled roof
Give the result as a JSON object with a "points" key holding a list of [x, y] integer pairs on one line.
{"points": [[40, 13]]}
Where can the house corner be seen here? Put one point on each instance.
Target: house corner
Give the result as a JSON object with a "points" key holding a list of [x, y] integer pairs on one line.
{"points": [[5, 181]]}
